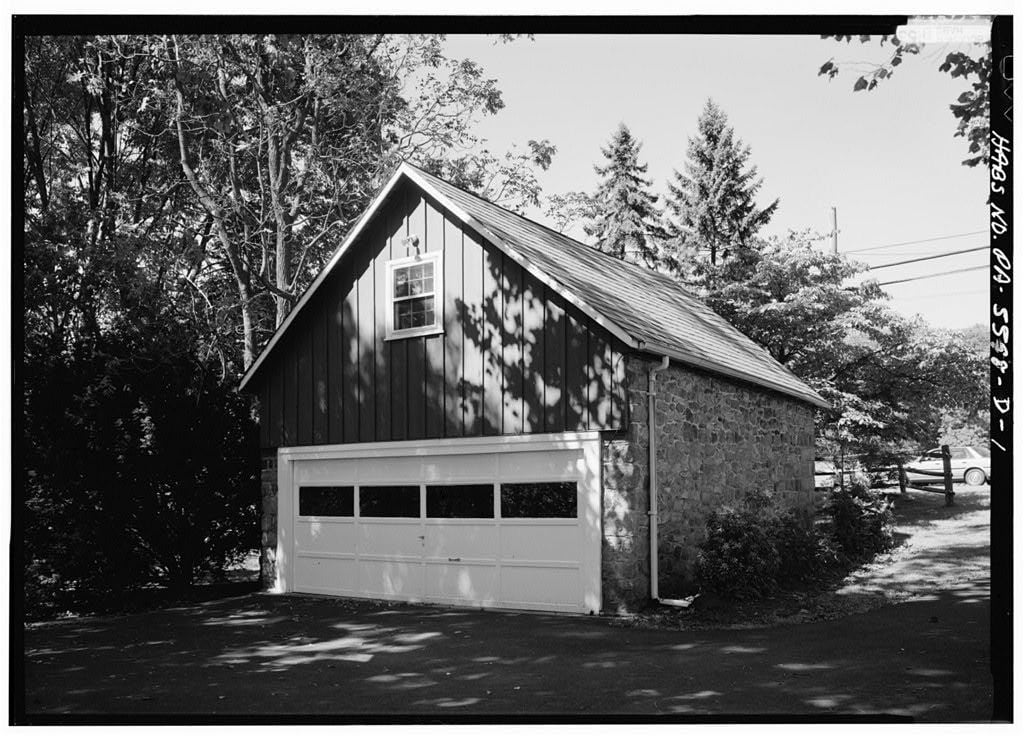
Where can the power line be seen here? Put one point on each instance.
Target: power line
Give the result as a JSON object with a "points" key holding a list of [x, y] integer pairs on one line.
{"points": [[943, 295], [929, 276], [927, 258], [910, 243]]}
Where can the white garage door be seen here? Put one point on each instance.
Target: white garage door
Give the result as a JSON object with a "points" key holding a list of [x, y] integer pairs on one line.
{"points": [[510, 522]]}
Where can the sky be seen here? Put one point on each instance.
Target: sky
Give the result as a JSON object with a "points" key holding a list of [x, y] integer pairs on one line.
{"points": [[886, 159]]}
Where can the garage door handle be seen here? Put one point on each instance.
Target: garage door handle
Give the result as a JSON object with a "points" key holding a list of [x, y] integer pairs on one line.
{"points": [[454, 560]]}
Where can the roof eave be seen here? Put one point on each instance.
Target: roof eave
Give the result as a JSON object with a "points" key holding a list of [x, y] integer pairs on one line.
{"points": [[810, 397]]}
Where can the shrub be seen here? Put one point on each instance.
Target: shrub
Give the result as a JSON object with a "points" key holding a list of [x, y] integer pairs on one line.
{"points": [[141, 468], [753, 548], [738, 559], [802, 550], [860, 523]]}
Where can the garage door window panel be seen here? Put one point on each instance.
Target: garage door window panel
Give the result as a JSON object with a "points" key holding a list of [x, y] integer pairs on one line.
{"points": [[539, 500], [326, 501], [389, 501], [460, 501]]}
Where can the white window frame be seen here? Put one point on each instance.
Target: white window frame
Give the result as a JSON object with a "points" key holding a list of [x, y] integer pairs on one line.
{"points": [[433, 258]]}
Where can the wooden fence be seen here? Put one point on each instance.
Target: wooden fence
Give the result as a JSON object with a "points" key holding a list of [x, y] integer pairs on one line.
{"points": [[945, 478]]}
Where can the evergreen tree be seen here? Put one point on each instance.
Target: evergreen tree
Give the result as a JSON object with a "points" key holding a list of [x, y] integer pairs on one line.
{"points": [[627, 224], [711, 206]]}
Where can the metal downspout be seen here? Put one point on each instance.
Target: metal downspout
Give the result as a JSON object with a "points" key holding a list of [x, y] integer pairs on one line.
{"points": [[652, 472]]}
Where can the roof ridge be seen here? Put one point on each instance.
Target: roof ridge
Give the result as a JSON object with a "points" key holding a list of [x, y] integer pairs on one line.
{"points": [[666, 289], [606, 256]]}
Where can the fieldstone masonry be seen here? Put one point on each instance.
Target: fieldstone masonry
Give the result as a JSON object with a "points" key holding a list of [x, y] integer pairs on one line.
{"points": [[717, 440], [268, 537], [625, 547]]}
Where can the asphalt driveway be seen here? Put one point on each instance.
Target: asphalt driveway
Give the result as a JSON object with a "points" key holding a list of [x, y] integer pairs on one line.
{"points": [[260, 654]]}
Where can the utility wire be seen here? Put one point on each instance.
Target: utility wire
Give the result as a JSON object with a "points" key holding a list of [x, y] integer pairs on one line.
{"points": [[928, 258], [929, 276], [910, 243], [944, 295]]}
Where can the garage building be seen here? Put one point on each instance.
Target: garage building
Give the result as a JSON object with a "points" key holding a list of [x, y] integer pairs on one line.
{"points": [[469, 408]]}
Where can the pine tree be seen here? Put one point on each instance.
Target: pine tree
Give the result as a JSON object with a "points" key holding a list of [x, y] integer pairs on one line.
{"points": [[627, 225], [711, 207]]}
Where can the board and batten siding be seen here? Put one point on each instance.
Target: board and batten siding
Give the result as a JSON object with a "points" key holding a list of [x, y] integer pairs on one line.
{"points": [[514, 357]]}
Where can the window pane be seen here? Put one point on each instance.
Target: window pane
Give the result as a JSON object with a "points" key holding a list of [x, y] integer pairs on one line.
{"points": [[401, 283], [467, 500], [982, 451], [403, 315], [958, 453], [545, 499], [389, 501], [325, 501], [414, 313]]}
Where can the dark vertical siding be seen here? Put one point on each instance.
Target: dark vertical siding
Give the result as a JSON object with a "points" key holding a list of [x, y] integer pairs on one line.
{"points": [[385, 369], [473, 351], [270, 411], [492, 311], [454, 333], [514, 357], [533, 354], [554, 365], [417, 399], [321, 400], [512, 347], [304, 377], [576, 378], [351, 392], [416, 360], [368, 347], [290, 400], [616, 384], [433, 360], [601, 379], [335, 367], [392, 401]]}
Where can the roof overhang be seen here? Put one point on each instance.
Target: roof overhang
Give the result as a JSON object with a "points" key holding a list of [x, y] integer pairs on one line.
{"points": [[810, 396]]}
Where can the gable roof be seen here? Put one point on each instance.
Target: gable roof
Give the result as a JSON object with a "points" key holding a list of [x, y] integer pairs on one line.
{"points": [[646, 310]]}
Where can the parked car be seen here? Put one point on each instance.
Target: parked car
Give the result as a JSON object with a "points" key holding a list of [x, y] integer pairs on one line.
{"points": [[971, 464], [824, 475]]}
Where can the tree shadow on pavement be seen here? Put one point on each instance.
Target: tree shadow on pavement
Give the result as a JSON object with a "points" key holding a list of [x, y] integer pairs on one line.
{"points": [[924, 659], [305, 655]]}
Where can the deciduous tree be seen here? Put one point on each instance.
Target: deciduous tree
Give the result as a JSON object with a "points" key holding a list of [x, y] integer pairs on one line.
{"points": [[972, 63]]}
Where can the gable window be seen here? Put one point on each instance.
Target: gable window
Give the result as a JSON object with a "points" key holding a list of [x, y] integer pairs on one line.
{"points": [[414, 292]]}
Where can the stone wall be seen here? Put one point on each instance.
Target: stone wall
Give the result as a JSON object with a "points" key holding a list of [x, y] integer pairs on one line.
{"points": [[625, 547], [718, 439], [268, 537]]}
